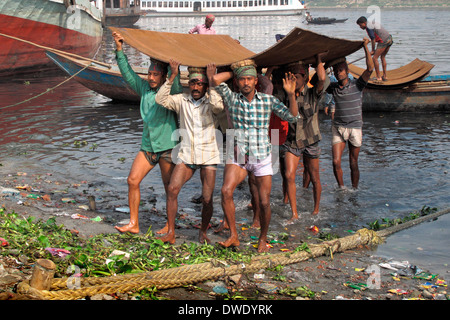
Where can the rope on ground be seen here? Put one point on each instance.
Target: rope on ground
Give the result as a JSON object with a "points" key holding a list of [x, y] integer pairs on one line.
{"points": [[214, 269]]}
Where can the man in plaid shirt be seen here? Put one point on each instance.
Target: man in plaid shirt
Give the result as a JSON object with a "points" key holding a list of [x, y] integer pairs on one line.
{"points": [[250, 112]]}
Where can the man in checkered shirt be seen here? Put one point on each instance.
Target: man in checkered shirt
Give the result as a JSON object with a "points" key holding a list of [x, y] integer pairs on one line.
{"points": [[249, 112]]}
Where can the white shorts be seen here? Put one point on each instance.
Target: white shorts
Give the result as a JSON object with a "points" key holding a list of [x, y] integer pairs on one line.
{"points": [[352, 135], [258, 167]]}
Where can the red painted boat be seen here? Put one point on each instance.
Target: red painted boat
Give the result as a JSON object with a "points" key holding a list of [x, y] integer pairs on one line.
{"points": [[73, 26]]}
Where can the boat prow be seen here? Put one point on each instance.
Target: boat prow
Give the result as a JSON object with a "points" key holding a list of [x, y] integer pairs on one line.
{"points": [[408, 89], [97, 76], [408, 74]]}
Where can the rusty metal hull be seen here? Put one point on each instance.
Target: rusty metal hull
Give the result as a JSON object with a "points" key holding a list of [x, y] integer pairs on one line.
{"points": [[76, 29]]}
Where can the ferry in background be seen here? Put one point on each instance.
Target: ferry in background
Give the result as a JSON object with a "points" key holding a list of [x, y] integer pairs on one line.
{"points": [[171, 8]]}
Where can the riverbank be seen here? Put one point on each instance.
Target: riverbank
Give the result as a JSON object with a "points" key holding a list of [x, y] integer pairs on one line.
{"points": [[340, 276]]}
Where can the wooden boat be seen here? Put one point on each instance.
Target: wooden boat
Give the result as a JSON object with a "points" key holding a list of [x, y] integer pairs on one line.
{"points": [[408, 88], [126, 13], [325, 20], [73, 26], [173, 8], [97, 76], [429, 95]]}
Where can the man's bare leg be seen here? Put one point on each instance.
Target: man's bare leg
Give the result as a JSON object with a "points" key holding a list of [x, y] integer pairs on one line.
{"points": [[139, 169], [166, 171], [255, 201], [384, 63], [337, 150], [311, 165], [291, 163], [284, 184], [354, 168], [180, 175], [208, 178], [233, 176], [264, 184]]}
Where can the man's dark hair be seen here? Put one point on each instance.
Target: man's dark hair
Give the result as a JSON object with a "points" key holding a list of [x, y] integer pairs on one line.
{"points": [[361, 20]]}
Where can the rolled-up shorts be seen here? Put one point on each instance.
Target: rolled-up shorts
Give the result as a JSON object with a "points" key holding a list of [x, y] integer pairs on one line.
{"points": [[386, 44], [258, 167], [352, 135], [312, 151], [154, 157]]}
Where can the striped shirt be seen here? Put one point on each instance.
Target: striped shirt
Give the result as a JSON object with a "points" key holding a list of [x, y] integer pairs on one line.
{"points": [[250, 120], [348, 103], [197, 124]]}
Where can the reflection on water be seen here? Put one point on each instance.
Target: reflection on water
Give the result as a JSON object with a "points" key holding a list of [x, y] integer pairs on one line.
{"points": [[84, 136]]}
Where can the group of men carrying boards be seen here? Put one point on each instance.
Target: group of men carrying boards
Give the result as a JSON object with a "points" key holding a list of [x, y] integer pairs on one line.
{"points": [[254, 104]]}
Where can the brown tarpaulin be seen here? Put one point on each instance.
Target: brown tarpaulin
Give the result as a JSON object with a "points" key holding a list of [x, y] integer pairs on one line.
{"points": [[303, 45], [397, 78], [199, 50], [196, 50]]}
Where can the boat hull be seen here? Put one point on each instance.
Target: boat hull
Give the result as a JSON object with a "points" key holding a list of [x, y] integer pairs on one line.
{"points": [[105, 81], [424, 96], [326, 21], [47, 23]]}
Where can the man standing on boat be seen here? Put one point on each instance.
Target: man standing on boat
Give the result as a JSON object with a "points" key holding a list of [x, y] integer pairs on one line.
{"points": [[205, 28], [383, 39], [250, 112], [347, 115], [158, 125], [199, 148], [303, 136]]}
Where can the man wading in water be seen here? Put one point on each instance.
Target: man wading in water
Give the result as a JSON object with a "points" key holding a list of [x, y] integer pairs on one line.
{"points": [[347, 115]]}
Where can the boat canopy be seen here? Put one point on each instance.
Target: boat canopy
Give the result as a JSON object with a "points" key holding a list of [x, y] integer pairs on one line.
{"points": [[198, 50]]}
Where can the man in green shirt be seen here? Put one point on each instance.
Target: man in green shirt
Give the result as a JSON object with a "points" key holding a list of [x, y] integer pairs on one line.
{"points": [[158, 125]]}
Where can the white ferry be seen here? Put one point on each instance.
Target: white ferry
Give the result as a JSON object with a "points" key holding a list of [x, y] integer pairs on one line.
{"points": [[170, 8]]}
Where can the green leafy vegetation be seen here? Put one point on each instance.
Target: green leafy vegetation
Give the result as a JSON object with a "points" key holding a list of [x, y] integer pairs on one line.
{"points": [[386, 222]]}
